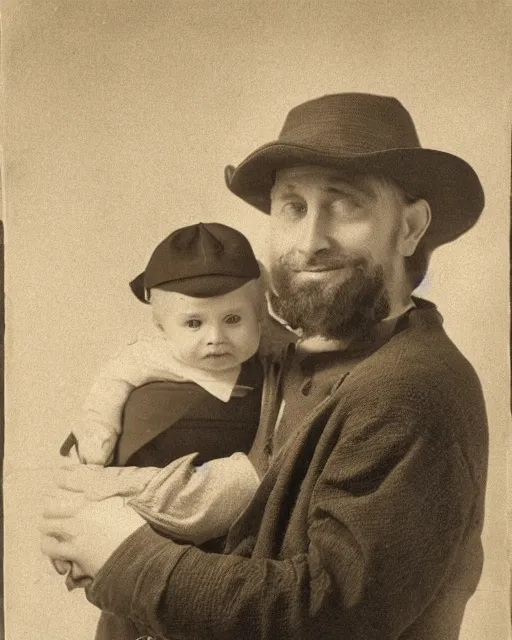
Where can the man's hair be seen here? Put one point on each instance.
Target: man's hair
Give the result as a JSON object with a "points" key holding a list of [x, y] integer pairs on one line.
{"points": [[416, 266]]}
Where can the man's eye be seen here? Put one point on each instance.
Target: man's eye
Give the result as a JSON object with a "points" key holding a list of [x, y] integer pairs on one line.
{"points": [[193, 324], [233, 319], [294, 209], [345, 206]]}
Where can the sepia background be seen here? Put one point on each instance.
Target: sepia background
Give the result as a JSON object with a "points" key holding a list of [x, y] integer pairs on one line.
{"points": [[120, 117]]}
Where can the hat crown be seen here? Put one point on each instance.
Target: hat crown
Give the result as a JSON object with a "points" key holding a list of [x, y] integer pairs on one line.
{"points": [[201, 249], [197, 242], [201, 260], [350, 123]]}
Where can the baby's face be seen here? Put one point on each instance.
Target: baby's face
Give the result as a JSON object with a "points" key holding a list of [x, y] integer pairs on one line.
{"points": [[209, 333]]}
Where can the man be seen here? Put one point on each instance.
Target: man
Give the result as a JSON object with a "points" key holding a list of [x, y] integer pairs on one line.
{"points": [[372, 445]]}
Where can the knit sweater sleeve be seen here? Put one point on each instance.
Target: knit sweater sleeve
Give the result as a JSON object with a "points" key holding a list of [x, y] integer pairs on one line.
{"points": [[386, 518]]}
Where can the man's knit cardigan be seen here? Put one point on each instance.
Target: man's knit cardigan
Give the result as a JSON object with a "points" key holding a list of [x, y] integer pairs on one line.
{"points": [[366, 526]]}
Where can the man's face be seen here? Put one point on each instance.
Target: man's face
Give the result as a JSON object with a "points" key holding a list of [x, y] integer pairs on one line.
{"points": [[213, 334], [334, 249]]}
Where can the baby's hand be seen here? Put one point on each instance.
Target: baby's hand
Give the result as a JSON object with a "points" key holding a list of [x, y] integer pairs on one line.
{"points": [[97, 482], [95, 446], [91, 453]]}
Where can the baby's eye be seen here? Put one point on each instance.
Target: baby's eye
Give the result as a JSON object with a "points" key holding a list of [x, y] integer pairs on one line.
{"points": [[233, 319], [193, 324]]}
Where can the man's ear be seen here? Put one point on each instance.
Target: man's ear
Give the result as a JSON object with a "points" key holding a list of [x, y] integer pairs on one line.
{"points": [[416, 219]]}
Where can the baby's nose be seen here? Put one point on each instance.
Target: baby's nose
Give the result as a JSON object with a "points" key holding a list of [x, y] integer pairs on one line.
{"points": [[215, 335]]}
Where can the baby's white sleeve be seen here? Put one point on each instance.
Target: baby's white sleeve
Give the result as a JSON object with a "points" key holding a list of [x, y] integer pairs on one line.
{"points": [[196, 504], [100, 424]]}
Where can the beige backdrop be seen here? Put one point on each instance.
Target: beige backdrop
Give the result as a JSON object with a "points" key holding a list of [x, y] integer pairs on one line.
{"points": [[120, 117]]}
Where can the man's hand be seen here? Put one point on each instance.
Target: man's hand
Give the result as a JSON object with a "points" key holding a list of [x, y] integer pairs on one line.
{"points": [[86, 532]]}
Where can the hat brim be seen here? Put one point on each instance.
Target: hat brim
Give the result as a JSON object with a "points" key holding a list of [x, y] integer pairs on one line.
{"points": [[448, 183]]}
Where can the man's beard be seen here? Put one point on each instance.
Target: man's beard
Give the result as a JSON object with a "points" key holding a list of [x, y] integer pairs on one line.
{"points": [[339, 307]]}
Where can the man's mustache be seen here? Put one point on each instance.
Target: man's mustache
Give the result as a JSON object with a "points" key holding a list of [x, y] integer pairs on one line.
{"points": [[320, 262]]}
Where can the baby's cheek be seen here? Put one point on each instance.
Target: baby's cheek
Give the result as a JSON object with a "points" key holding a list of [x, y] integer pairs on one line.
{"points": [[187, 352], [252, 342]]}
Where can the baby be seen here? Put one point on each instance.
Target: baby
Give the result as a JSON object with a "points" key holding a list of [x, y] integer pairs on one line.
{"points": [[204, 286]]}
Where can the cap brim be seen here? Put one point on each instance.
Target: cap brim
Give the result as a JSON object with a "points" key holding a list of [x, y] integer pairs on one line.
{"points": [[447, 182], [209, 286], [138, 288]]}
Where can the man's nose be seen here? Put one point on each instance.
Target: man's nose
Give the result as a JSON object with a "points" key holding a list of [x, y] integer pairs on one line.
{"points": [[313, 233]]}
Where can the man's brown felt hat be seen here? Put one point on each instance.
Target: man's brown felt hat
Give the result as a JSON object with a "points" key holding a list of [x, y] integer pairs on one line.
{"points": [[365, 134]]}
